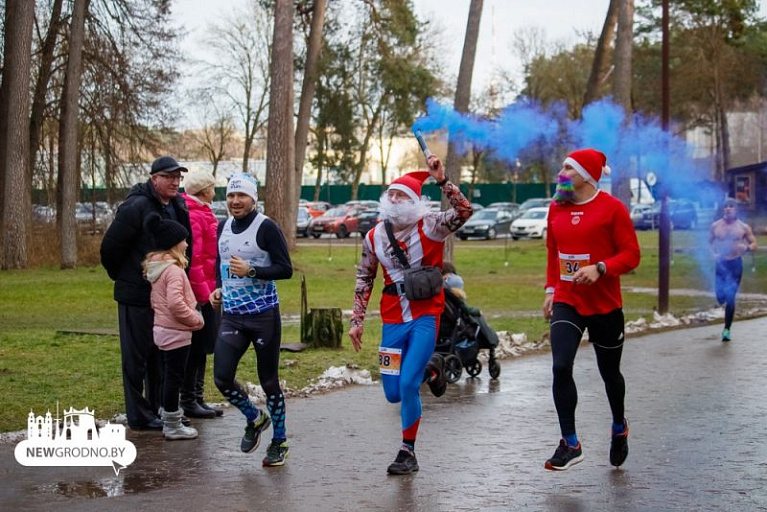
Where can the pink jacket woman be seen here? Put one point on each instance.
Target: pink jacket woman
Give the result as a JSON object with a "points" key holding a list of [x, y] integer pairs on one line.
{"points": [[173, 301], [202, 272]]}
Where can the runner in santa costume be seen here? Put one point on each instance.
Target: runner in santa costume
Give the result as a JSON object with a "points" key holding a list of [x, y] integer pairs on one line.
{"points": [[591, 242], [409, 326]]}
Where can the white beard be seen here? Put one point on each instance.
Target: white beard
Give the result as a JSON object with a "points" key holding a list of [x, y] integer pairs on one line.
{"points": [[403, 213]]}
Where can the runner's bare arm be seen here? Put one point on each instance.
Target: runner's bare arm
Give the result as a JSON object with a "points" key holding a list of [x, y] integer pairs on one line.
{"points": [[750, 238]]}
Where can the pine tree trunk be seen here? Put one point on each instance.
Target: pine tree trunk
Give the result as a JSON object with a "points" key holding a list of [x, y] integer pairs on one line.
{"points": [[15, 159], [622, 78], [462, 98], [280, 150], [624, 45], [600, 53], [42, 82], [722, 125], [68, 132], [307, 95], [246, 153], [4, 121], [320, 164]]}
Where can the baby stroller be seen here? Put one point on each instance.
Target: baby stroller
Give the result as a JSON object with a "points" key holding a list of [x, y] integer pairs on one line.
{"points": [[463, 332]]}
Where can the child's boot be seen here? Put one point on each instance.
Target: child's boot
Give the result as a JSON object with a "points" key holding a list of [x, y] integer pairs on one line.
{"points": [[172, 428]]}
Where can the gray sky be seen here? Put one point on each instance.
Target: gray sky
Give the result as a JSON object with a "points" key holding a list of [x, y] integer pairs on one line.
{"points": [[560, 19]]}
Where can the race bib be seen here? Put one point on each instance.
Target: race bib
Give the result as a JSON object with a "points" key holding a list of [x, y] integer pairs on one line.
{"points": [[226, 273], [389, 360], [569, 264]]}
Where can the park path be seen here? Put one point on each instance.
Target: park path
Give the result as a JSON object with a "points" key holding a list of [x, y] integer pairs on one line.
{"points": [[696, 406]]}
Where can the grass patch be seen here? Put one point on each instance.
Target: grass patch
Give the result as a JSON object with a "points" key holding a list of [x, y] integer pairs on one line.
{"points": [[39, 367]]}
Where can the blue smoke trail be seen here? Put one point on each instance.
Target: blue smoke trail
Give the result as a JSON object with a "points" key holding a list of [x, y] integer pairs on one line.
{"points": [[635, 147]]}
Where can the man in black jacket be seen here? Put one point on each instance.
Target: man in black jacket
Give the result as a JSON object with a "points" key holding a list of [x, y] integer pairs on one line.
{"points": [[123, 250]]}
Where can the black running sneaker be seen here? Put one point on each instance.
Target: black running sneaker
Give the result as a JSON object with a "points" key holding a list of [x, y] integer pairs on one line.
{"points": [[619, 446], [564, 457], [252, 436], [276, 453], [435, 368], [404, 464]]}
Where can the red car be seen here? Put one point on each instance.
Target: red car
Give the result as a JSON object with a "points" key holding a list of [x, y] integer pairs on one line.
{"points": [[341, 220], [317, 208]]}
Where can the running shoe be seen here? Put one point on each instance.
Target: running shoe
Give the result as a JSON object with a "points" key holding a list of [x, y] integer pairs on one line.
{"points": [[276, 453], [252, 437], [564, 457], [404, 464], [726, 335], [619, 446], [436, 370]]}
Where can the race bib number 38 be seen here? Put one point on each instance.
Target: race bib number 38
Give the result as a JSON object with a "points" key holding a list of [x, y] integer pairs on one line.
{"points": [[569, 264], [389, 360]]}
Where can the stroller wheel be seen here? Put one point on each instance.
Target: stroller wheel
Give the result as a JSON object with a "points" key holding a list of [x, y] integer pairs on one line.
{"points": [[494, 369], [453, 368], [474, 368]]}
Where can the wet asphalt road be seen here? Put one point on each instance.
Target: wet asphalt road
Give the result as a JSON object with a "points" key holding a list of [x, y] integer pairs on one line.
{"points": [[697, 409]]}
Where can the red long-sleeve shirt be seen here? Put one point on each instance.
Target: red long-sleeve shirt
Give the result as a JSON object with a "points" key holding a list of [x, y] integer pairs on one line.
{"points": [[599, 229]]}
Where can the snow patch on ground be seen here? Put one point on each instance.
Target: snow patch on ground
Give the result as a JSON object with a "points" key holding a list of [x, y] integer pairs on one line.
{"points": [[510, 345]]}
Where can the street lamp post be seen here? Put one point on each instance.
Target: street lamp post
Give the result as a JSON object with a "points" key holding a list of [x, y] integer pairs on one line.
{"points": [[664, 231]]}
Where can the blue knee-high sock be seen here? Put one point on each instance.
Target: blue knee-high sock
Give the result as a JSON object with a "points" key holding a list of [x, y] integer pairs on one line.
{"points": [[275, 404], [239, 399]]}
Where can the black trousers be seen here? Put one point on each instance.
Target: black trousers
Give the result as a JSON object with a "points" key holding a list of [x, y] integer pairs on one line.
{"points": [[141, 364], [236, 334], [606, 335], [203, 343], [174, 364]]}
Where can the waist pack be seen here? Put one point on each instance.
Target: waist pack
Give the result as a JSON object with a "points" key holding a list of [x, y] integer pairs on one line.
{"points": [[422, 283]]}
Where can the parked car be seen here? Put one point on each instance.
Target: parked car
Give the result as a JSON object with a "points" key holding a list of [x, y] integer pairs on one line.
{"points": [[341, 220], [509, 207], [362, 204], [531, 224], [43, 213], [366, 220], [477, 207], [636, 214], [535, 203], [487, 223], [219, 210], [302, 221], [97, 217], [317, 208], [505, 205], [682, 213]]}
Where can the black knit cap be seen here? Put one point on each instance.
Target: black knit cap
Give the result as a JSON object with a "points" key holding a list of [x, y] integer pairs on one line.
{"points": [[167, 233]]}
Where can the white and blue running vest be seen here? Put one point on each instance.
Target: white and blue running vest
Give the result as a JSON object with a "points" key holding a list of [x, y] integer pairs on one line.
{"points": [[245, 295]]}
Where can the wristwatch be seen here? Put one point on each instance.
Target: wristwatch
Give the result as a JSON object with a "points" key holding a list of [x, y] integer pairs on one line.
{"points": [[601, 268], [442, 182], [252, 272]]}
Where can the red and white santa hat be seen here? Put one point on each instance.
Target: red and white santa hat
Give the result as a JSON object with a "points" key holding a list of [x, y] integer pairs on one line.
{"points": [[410, 184], [589, 163]]}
